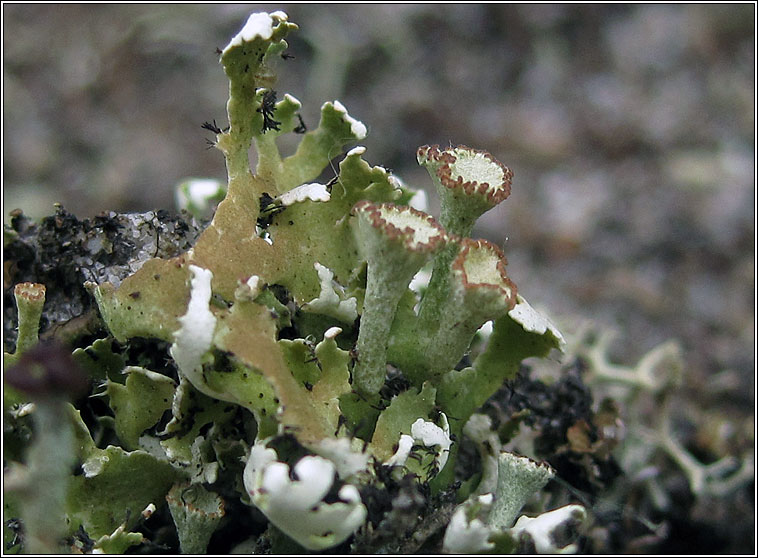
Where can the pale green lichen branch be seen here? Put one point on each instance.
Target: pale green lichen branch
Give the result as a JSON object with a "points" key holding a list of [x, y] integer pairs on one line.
{"points": [[716, 479], [281, 120], [396, 242], [43, 484], [117, 542], [658, 369], [469, 183], [246, 62], [336, 128], [480, 291]]}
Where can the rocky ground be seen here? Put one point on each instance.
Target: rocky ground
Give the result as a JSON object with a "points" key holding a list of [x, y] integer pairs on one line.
{"points": [[630, 131]]}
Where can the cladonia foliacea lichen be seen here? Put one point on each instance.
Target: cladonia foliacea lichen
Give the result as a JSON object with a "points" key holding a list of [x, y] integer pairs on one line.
{"points": [[319, 338]]}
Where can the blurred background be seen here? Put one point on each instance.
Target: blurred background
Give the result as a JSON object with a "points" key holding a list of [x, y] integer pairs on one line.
{"points": [[629, 128]]}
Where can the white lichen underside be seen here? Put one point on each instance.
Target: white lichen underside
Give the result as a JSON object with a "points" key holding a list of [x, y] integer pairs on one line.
{"points": [[292, 100], [200, 190], [194, 337], [259, 24], [314, 192], [332, 332], [346, 454], [431, 435], [357, 128], [404, 446], [331, 300], [465, 535], [543, 527], [533, 321], [296, 506]]}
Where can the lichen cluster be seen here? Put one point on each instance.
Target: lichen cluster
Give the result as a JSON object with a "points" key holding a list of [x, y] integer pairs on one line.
{"points": [[303, 374]]}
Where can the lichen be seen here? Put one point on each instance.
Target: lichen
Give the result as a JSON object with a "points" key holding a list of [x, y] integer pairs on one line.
{"points": [[298, 367]]}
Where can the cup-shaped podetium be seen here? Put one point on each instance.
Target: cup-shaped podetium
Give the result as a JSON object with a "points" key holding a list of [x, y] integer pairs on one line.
{"points": [[480, 290], [30, 298], [469, 183], [396, 241], [518, 479]]}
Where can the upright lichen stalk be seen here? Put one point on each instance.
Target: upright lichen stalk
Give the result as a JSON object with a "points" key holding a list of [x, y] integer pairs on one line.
{"points": [[48, 375], [396, 242]]}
